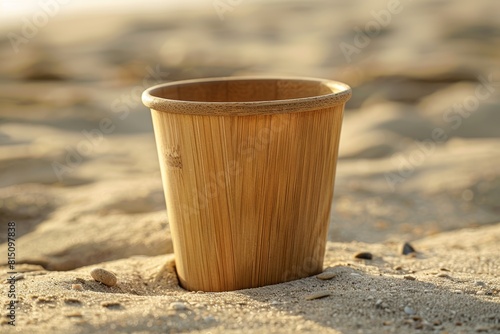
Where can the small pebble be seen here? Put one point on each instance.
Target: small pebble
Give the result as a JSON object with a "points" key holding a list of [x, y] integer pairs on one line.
{"points": [[409, 310], [409, 277], [77, 287], [178, 306], [457, 291], [364, 256], [18, 277], [103, 276], [326, 275], [398, 268], [380, 304], [318, 295], [407, 249], [444, 269], [355, 274], [480, 283]]}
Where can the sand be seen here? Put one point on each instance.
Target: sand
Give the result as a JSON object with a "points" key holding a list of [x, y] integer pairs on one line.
{"points": [[418, 163]]}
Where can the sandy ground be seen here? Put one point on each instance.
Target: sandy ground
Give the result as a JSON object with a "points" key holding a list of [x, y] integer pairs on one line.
{"points": [[419, 161]]}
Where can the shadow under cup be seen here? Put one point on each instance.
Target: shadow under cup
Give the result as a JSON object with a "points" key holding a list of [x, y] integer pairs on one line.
{"points": [[248, 168]]}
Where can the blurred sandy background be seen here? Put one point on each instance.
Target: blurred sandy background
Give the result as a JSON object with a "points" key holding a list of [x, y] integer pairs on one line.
{"points": [[419, 158]]}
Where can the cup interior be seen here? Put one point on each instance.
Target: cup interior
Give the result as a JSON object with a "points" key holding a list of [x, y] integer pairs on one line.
{"points": [[245, 90]]}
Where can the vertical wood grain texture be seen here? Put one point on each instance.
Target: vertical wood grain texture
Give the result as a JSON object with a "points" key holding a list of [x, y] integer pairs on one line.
{"points": [[248, 197]]}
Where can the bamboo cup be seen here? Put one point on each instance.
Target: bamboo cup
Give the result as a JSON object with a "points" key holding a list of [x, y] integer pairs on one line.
{"points": [[248, 168]]}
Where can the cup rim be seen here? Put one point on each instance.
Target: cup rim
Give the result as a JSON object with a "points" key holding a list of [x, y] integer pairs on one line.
{"points": [[341, 93]]}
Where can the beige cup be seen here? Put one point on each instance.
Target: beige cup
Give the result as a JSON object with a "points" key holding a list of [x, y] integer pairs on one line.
{"points": [[248, 167]]}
